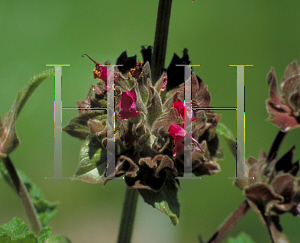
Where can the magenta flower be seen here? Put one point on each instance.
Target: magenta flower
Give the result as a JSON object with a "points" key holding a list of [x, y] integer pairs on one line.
{"points": [[178, 133], [100, 72], [179, 106], [128, 105]]}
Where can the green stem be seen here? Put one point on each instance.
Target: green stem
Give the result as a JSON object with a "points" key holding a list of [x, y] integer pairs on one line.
{"points": [[161, 38], [230, 222], [23, 195], [127, 220]]}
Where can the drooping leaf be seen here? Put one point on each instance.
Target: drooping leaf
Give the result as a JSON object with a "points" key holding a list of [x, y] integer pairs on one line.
{"points": [[8, 137], [44, 208], [241, 238], [227, 134], [165, 200], [92, 163]]}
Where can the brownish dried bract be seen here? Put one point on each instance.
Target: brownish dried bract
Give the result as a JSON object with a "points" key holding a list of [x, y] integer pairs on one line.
{"points": [[284, 109], [275, 190]]}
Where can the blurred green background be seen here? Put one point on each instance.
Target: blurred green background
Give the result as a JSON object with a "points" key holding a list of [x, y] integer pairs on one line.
{"points": [[217, 33]]}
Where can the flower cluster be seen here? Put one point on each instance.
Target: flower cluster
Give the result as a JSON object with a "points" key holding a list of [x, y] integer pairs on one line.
{"points": [[149, 128]]}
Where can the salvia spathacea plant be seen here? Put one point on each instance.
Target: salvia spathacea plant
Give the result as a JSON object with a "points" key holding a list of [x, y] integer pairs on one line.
{"points": [[149, 134]]}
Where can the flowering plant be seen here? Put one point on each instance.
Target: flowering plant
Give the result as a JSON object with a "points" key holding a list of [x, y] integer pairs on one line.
{"points": [[151, 128], [149, 133]]}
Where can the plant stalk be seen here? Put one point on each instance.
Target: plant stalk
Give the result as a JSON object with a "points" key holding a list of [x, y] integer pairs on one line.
{"points": [[128, 213], [161, 38], [276, 145], [230, 222], [23, 195]]}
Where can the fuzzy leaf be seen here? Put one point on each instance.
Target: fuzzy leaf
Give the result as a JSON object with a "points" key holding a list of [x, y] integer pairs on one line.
{"points": [[92, 163], [241, 238], [227, 134], [8, 137], [44, 208], [142, 83], [165, 200], [155, 107]]}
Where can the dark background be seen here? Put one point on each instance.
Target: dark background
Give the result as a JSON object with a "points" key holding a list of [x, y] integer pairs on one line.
{"points": [[217, 33]]}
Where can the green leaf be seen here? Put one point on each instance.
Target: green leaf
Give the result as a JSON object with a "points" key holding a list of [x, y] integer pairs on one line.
{"points": [[44, 208], [92, 163], [8, 137], [227, 134], [78, 125], [241, 238], [165, 200]]}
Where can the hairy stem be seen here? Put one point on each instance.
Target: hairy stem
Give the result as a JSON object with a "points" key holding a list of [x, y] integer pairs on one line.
{"points": [[127, 220], [23, 195], [161, 38], [230, 222]]}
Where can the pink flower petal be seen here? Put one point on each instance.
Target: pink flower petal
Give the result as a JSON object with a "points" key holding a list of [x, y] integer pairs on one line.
{"points": [[128, 105]]}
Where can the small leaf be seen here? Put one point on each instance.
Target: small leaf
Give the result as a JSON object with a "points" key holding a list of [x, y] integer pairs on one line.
{"points": [[165, 200], [241, 238], [92, 163], [227, 134], [8, 137]]}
